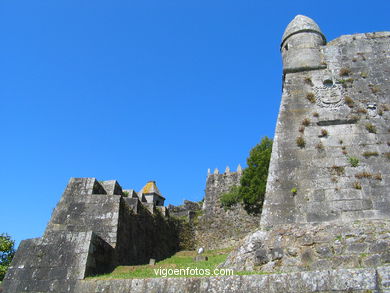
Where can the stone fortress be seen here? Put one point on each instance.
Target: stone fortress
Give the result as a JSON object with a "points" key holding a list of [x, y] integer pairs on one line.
{"points": [[325, 222]]}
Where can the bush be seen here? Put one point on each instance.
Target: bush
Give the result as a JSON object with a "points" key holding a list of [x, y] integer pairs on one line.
{"points": [[230, 198], [371, 128], [345, 71], [311, 98], [7, 252], [348, 100], [253, 182], [300, 142], [306, 122], [353, 161], [254, 177]]}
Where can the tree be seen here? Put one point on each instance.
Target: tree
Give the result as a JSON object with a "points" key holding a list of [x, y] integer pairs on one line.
{"points": [[253, 182], [254, 177], [7, 252]]}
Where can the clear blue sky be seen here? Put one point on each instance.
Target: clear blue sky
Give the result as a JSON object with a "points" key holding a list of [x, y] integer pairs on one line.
{"points": [[141, 90]]}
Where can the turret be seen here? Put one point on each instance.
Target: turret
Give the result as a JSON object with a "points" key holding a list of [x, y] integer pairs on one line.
{"points": [[301, 45]]}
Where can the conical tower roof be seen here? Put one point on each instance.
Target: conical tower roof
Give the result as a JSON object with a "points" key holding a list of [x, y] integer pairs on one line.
{"points": [[300, 24]]}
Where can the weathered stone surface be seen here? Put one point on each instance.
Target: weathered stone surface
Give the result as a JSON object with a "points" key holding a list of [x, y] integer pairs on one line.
{"points": [[342, 280], [93, 229], [217, 227], [335, 101], [314, 247]]}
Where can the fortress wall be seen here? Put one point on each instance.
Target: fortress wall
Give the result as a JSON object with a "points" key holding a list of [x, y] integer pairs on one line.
{"points": [[90, 232], [54, 263], [87, 209], [142, 236], [328, 187], [218, 228]]}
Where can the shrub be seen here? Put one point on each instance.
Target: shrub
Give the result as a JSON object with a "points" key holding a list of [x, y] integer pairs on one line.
{"points": [[125, 193], [348, 100], [371, 128], [230, 198], [311, 98], [301, 129], [370, 154], [294, 191], [345, 71], [357, 185], [324, 132], [306, 122], [387, 155], [300, 142], [353, 161], [316, 115], [377, 176], [341, 141], [363, 74]]}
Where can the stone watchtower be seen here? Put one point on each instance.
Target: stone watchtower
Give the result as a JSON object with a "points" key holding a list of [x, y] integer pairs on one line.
{"points": [[301, 45]]}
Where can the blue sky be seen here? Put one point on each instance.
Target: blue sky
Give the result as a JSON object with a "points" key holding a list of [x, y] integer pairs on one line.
{"points": [[141, 90]]}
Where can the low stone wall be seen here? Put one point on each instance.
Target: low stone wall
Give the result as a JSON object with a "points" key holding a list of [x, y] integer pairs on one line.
{"points": [[343, 280]]}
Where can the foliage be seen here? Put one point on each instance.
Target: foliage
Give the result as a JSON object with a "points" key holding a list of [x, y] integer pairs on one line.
{"points": [[370, 154], [349, 101], [254, 178], [7, 252], [353, 161], [357, 185], [251, 191], [294, 190], [230, 198], [300, 142], [371, 128], [311, 98]]}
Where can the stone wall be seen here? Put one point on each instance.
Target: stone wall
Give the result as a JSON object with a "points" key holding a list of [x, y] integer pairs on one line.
{"points": [[291, 247], [218, 228], [142, 236], [93, 229], [339, 112], [327, 201], [342, 280]]}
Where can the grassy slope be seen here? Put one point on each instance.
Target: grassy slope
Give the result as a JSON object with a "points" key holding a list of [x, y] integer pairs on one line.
{"points": [[181, 260]]}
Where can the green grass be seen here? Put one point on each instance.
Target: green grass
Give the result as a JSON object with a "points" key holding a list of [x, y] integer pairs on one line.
{"points": [[181, 260]]}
